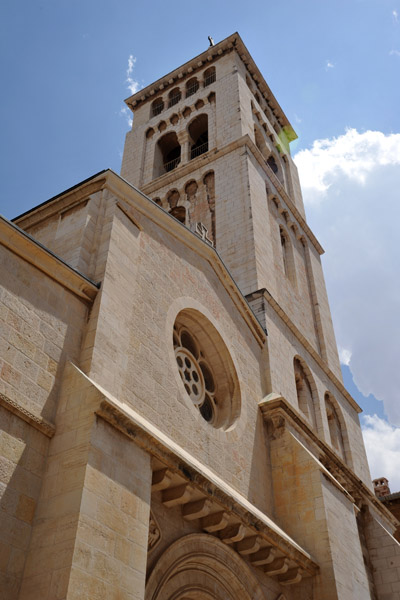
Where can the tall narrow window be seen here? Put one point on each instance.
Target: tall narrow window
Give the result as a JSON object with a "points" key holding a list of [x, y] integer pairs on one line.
{"points": [[198, 131], [271, 162], [167, 154], [335, 430], [191, 87], [287, 255], [174, 96], [304, 393], [157, 107], [209, 76], [259, 140], [284, 247]]}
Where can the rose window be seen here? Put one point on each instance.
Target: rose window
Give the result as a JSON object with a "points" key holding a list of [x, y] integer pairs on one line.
{"points": [[196, 374]]}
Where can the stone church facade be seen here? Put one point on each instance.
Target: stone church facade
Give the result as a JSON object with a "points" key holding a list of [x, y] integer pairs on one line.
{"points": [[174, 423]]}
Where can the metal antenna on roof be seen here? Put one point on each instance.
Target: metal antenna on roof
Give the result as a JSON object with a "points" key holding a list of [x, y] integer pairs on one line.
{"points": [[211, 40]]}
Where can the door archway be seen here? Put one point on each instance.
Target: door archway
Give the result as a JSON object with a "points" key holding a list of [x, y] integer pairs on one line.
{"points": [[201, 567]]}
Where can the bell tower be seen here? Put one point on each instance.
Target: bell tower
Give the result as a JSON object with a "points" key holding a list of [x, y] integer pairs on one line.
{"points": [[210, 144], [173, 419]]}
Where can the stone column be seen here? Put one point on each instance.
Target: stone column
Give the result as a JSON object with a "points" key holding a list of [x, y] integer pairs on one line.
{"points": [[184, 140]]}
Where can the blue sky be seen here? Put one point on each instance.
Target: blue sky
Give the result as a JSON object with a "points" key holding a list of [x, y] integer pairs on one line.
{"points": [[333, 65]]}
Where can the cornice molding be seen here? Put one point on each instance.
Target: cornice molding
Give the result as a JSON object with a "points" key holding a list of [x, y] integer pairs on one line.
{"points": [[33, 252], [39, 423], [206, 58], [276, 410], [284, 195], [66, 200], [196, 475], [303, 340], [214, 154]]}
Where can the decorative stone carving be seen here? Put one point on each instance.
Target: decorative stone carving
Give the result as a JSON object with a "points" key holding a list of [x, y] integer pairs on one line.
{"points": [[276, 426], [201, 562], [154, 533], [202, 231]]}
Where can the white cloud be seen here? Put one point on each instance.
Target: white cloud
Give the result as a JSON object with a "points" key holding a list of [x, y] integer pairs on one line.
{"points": [[394, 53], [351, 190], [329, 65], [382, 443], [125, 112], [345, 356], [133, 85], [395, 15], [131, 64]]}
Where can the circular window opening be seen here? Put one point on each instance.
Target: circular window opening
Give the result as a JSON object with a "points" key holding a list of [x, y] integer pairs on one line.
{"points": [[206, 369]]}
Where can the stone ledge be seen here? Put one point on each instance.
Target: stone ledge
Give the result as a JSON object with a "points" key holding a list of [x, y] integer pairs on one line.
{"points": [[201, 479], [284, 195], [276, 410], [207, 58], [22, 244], [213, 154], [303, 340], [45, 427]]}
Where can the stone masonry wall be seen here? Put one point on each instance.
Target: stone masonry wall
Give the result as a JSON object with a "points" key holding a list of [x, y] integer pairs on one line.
{"points": [[41, 326], [149, 278], [384, 553]]}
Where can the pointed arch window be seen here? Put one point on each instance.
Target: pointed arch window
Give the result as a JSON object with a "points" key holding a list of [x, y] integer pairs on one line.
{"points": [[335, 428], [304, 392], [288, 260], [271, 162]]}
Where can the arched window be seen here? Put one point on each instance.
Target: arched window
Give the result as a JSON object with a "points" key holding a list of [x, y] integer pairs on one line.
{"points": [[271, 162], [335, 429], [276, 167], [304, 392], [167, 154], [157, 107], [287, 254], [174, 96], [209, 76], [206, 369], [191, 87], [198, 131], [285, 250], [259, 140]]}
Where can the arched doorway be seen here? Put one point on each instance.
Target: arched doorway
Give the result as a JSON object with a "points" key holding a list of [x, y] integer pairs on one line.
{"points": [[201, 567]]}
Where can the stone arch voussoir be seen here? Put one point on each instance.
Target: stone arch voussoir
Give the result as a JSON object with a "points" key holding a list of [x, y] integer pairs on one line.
{"points": [[200, 566]]}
